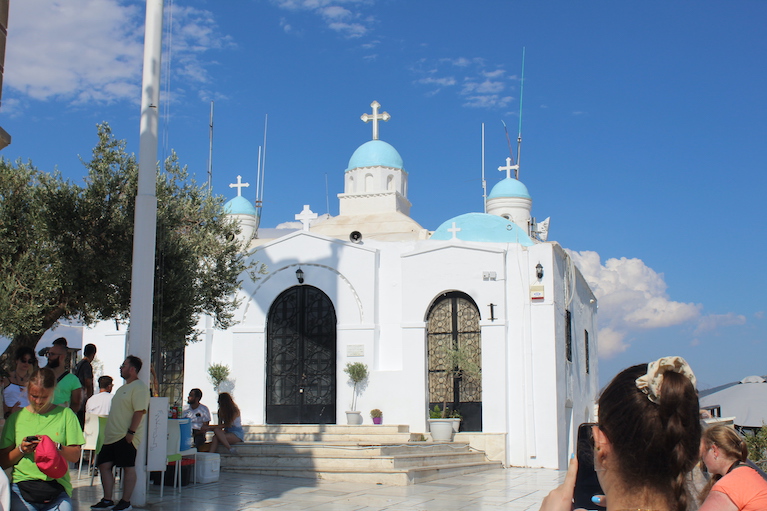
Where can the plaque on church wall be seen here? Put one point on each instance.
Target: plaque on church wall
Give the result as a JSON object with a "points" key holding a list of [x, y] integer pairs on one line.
{"points": [[355, 350], [536, 293]]}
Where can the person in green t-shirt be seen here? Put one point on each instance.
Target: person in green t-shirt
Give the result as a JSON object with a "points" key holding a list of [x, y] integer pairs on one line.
{"points": [[68, 391], [31, 488]]}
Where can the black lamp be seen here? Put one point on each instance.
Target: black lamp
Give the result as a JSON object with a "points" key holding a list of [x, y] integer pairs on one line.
{"points": [[300, 275], [539, 271]]}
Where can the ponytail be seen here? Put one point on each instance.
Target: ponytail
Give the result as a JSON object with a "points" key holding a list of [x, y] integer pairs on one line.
{"points": [[656, 442]]}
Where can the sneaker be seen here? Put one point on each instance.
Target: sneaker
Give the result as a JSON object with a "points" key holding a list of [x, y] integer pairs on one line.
{"points": [[103, 504], [123, 506]]}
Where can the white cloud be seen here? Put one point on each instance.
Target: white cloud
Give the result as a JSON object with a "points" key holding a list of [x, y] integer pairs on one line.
{"points": [[632, 296], [611, 342], [714, 321], [443, 82], [481, 87], [85, 51], [340, 19], [487, 101], [77, 49]]}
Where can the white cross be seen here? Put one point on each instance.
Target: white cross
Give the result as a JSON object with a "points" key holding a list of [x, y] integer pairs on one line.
{"points": [[306, 216], [240, 185], [509, 167], [375, 117], [455, 230]]}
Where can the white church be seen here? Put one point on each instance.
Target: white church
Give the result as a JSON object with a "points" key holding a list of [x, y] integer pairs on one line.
{"points": [[371, 285]]}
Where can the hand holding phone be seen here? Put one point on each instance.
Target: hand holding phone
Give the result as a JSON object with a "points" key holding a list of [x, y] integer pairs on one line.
{"points": [[31, 439], [586, 482]]}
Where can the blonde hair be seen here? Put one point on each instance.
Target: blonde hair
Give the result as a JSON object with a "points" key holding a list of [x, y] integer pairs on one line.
{"points": [[729, 443]]}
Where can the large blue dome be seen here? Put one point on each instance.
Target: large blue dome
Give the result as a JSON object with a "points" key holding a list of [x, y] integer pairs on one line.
{"points": [[509, 187], [375, 153], [239, 206], [483, 227]]}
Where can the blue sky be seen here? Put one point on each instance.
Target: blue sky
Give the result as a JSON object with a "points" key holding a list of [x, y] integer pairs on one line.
{"points": [[643, 130]]}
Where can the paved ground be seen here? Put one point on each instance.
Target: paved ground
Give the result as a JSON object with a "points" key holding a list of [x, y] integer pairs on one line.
{"points": [[514, 489]]}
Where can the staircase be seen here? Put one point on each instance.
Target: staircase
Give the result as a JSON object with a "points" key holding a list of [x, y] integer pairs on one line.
{"points": [[371, 454]]}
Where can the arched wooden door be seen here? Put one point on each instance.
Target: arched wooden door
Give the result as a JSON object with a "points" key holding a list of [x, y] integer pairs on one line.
{"points": [[301, 358], [453, 326]]}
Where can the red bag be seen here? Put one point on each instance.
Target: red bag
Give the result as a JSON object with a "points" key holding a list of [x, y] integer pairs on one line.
{"points": [[49, 460]]}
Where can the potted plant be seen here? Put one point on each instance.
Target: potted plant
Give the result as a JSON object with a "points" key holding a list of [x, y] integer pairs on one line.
{"points": [[440, 426], [458, 363], [218, 374], [376, 415], [357, 372]]}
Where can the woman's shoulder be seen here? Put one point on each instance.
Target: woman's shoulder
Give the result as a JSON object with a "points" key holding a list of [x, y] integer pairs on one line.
{"points": [[742, 476]]}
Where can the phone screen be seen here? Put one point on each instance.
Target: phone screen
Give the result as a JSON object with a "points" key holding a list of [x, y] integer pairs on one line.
{"points": [[586, 482]]}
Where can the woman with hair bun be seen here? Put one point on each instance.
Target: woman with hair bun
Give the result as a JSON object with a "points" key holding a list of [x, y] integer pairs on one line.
{"points": [[734, 486], [647, 440]]}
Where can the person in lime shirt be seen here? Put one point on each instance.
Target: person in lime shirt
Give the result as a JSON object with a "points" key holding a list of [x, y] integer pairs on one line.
{"points": [[40, 417], [122, 435]]}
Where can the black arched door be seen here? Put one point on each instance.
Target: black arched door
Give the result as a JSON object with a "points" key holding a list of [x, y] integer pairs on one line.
{"points": [[301, 358], [454, 346]]}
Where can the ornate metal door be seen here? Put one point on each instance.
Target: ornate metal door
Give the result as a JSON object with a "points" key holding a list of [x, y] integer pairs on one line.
{"points": [[301, 358], [453, 341]]}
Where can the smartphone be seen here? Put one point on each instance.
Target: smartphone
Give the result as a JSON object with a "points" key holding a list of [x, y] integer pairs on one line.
{"points": [[32, 439], [586, 482]]}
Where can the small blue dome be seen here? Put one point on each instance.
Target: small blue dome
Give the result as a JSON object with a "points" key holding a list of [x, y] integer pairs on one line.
{"points": [[375, 153], [509, 187], [483, 227], [239, 206]]}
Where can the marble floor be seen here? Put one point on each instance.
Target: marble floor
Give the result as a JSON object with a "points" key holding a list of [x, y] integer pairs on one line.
{"points": [[514, 489]]}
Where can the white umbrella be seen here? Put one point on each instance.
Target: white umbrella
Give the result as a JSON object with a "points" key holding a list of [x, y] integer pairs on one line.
{"points": [[745, 400]]}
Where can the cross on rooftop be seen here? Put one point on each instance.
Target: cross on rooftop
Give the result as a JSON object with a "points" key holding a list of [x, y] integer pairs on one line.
{"points": [[509, 167], [375, 117], [455, 230], [240, 185], [306, 216]]}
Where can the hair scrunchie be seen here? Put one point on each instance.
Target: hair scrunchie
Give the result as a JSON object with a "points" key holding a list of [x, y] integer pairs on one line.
{"points": [[652, 382]]}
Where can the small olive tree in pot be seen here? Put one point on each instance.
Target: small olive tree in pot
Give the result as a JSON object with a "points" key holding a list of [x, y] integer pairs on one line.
{"points": [[357, 372]]}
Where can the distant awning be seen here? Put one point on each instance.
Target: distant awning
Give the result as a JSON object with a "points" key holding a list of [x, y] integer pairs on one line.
{"points": [[745, 400]]}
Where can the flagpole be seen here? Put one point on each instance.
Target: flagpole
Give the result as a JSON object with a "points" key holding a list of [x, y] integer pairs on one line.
{"points": [[145, 221]]}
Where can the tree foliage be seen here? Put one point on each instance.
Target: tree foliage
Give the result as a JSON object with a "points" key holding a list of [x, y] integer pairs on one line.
{"points": [[66, 250]]}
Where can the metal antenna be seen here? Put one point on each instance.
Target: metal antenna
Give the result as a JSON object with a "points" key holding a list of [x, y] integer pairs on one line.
{"points": [[521, 92], [260, 191], [261, 176], [508, 141], [484, 183], [210, 151], [327, 196]]}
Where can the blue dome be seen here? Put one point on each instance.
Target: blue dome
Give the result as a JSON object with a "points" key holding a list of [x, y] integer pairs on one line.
{"points": [[509, 187], [375, 153], [483, 227], [239, 206]]}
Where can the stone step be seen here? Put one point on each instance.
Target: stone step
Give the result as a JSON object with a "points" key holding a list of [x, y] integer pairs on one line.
{"points": [[395, 477], [328, 433], [329, 460], [348, 449], [386, 454]]}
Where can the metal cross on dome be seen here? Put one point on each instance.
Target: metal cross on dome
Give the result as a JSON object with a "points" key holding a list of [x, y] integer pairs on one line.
{"points": [[240, 185], [455, 230], [306, 216], [509, 167], [375, 117]]}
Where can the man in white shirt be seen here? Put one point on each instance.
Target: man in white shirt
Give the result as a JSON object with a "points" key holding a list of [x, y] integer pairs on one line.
{"points": [[101, 402], [199, 415]]}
